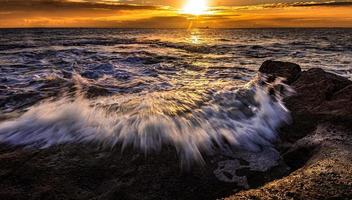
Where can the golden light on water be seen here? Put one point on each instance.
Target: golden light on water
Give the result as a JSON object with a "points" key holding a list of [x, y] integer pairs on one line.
{"points": [[195, 39], [195, 7]]}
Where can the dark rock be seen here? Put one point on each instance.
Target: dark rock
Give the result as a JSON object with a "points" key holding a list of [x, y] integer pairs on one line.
{"points": [[326, 175], [287, 70], [320, 92], [320, 96], [339, 104], [87, 172], [318, 144]]}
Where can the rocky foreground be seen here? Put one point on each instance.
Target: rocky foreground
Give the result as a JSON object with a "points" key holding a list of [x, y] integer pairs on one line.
{"points": [[318, 145], [312, 160]]}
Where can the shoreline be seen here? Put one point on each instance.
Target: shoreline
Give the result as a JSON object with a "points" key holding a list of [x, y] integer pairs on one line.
{"points": [[318, 145]]}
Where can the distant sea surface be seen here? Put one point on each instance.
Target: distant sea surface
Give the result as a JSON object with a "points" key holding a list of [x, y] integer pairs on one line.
{"points": [[182, 81], [158, 57]]}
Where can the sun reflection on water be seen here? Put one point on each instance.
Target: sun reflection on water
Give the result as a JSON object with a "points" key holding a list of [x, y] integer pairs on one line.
{"points": [[195, 39]]}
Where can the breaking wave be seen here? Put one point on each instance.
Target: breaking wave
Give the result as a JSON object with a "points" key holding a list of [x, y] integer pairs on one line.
{"points": [[245, 118]]}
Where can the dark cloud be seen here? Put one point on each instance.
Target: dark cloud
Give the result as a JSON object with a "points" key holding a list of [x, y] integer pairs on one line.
{"points": [[330, 3], [62, 5], [309, 4], [287, 22]]}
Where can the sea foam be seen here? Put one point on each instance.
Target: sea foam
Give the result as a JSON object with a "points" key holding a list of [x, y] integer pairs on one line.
{"points": [[245, 118]]}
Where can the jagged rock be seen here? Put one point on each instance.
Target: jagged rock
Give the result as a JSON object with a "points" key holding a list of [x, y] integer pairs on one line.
{"points": [[287, 70], [318, 143], [339, 104], [319, 96], [251, 169], [318, 91], [325, 174]]}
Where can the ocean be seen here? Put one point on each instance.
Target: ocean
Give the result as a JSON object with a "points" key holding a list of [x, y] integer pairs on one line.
{"points": [[151, 87]]}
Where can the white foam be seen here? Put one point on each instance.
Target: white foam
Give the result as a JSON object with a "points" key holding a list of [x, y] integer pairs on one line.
{"points": [[247, 119]]}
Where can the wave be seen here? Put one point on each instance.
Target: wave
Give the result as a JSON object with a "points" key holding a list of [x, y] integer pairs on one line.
{"points": [[245, 118]]}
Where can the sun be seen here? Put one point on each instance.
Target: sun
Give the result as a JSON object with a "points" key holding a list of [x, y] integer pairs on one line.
{"points": [[195, 7]]}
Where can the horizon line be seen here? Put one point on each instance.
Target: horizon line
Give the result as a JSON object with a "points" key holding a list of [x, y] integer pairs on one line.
{"points": [[308, 27]]}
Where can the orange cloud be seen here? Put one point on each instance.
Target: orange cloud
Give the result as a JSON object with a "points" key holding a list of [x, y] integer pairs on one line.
{"points": [[78, 13]]}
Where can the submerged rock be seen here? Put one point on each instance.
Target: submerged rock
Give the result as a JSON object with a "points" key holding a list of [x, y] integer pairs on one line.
{"points": [[287, 70]]}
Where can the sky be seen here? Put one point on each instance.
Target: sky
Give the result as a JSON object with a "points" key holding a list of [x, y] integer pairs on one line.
{"points": [[175, 14]]}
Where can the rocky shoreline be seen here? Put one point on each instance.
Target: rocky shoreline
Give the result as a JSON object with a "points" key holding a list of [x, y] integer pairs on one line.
{"points": [[318, 145], [312, 160]]}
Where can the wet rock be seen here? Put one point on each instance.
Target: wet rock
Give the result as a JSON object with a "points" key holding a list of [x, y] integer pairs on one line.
{"points": [[287, 70], [327, 173], [318, 144], [251, 169], [319, 92], [319, 97], [87, 172], [226, 172]]}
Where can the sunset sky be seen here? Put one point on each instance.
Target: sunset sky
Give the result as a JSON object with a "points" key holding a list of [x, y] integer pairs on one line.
{"points": [[175, 14]]}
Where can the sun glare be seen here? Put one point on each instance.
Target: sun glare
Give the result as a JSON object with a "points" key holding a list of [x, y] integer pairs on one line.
{"points": [[195, 7]]}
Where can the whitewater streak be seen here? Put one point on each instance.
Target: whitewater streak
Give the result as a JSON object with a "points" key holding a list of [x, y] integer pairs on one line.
{"points": [[246, 118]]}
